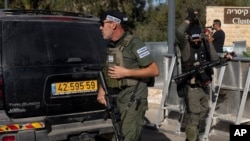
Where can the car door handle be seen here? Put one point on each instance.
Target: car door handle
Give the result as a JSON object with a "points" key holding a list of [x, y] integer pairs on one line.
{"points": [[74, 60]]}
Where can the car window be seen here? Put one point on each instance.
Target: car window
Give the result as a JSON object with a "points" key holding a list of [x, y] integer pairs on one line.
{"points": [[50, 42], [23, 44]]}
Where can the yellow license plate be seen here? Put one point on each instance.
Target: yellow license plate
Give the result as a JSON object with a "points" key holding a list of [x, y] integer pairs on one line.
{"points": [[62, 88]]}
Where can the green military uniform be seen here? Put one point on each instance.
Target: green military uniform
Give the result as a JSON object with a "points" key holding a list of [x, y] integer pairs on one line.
{"points": [[135, 55], [197, 98]]}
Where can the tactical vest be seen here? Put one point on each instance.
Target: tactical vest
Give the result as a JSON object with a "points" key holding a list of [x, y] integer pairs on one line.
{"points": [[197, 56], [115, 57]]}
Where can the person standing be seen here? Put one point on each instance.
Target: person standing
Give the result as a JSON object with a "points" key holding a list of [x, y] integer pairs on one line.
{"points": [[218, 37], [128, 66], [195, 49]]}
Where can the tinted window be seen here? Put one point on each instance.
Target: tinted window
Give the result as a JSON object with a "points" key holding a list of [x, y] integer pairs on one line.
{"points": [[28, 43]]}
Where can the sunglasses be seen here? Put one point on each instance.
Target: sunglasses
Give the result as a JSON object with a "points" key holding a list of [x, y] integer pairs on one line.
{"points": [[103, 22]]}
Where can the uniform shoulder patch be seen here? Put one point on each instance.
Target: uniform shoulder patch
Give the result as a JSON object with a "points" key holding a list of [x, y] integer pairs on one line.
{"points": [[143, 52]]}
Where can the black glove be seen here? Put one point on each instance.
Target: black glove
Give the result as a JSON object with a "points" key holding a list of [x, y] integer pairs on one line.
{"points": [[191, 15]]}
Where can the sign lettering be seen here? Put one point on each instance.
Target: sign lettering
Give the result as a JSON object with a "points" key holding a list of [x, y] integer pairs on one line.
{"points": [[237, 15]]}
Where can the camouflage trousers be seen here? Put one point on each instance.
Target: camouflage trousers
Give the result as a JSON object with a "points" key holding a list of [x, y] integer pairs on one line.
{"points": [[197, 102]]}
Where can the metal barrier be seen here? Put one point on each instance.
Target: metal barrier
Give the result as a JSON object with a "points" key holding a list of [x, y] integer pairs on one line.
{"points": [[230, 92], [158, 50], [233, 80], [164, 107], [214, 98]]}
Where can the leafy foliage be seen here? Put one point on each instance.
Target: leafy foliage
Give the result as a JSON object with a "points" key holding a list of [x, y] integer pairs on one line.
{"points": [[149, 20]]}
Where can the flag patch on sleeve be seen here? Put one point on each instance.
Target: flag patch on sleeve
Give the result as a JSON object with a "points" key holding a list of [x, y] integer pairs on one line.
{"points": [[142, 52]]}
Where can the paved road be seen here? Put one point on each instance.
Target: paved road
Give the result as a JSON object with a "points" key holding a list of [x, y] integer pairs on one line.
{"points": [[166, 132]]}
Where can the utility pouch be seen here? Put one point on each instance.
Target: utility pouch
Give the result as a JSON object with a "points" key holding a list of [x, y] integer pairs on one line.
{"points": [[151, 82], [182, 89]]}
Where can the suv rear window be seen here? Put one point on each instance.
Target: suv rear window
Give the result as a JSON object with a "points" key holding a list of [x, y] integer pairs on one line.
{"points": [[50, 42]]}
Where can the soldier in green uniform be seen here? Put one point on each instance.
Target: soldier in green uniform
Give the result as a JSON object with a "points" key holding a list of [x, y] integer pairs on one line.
{"points": [[129, 65], [195, 49]]}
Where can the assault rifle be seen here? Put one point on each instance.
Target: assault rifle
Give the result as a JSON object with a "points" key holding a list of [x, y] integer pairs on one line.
{"points": [[199, 68], [113, 112]]}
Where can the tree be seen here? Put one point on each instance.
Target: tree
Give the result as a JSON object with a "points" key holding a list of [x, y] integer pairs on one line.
{"points": [[154, 27], [23, 4], [150, 23]]}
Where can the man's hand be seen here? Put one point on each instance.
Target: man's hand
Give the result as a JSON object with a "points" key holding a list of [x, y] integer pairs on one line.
{"points": [[228, 56], [117, 72], [101, 96]]}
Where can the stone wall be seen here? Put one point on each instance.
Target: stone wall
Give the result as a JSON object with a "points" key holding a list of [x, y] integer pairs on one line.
{"points": [[234, 32]]}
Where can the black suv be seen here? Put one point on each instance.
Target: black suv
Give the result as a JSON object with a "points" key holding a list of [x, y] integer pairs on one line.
{"points": [[49, 76]]}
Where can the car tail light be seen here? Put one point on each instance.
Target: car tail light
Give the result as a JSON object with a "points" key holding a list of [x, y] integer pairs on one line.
{"points": [[9, 138]]}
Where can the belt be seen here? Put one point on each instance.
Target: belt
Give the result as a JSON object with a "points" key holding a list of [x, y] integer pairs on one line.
{"points": [[194, 85], [124, 87], [114, 90], [117, 90]]}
